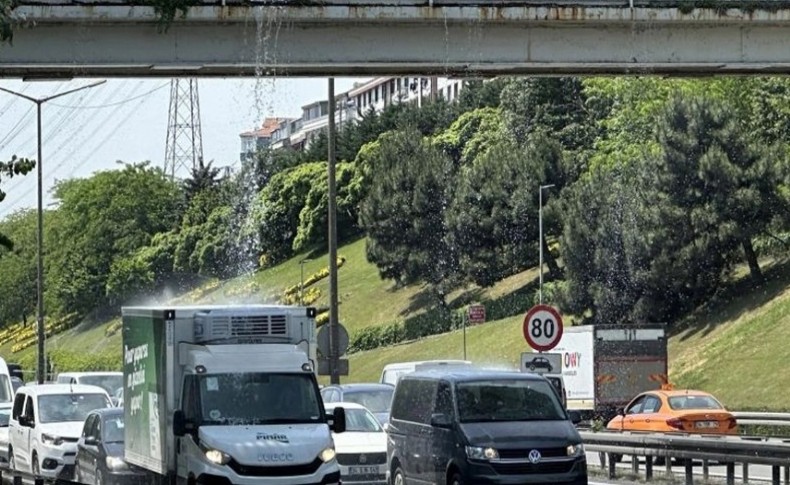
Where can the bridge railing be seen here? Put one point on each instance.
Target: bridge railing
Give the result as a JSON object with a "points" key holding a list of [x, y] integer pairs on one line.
{"points": [[727, 450]]}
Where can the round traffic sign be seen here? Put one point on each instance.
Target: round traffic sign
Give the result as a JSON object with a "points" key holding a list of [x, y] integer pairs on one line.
{"points": [[542, 327], [323, 340]]}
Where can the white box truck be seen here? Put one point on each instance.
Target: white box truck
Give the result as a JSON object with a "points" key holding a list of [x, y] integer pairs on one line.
{"points": [[226, 395], [605, 366]]}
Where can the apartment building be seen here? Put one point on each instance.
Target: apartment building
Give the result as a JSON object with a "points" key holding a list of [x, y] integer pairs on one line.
{"points": [[252, 141], [373, 95]]}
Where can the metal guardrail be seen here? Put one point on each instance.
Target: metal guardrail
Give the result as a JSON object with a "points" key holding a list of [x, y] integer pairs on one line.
{"points": [[762, 419], [729, 450]]}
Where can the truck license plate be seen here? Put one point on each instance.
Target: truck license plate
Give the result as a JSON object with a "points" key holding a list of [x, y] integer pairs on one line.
{"points": [[707, 424], [363, 470]]}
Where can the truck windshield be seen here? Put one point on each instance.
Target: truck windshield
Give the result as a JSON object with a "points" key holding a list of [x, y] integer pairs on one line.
{"points": [[259, 399], [507, 400]]}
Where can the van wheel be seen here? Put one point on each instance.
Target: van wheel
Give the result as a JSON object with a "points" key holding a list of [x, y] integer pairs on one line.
{"points": [[455, 479], [398, 477], [34, 465], [11, 461]]}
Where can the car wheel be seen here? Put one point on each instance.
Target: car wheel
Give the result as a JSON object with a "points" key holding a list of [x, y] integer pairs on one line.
{"points": [[398, 477], [34, 465], [456, 479], [532, 367]]}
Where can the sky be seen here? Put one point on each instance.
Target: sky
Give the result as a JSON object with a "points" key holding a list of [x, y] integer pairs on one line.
{"points": [[126, 120]]}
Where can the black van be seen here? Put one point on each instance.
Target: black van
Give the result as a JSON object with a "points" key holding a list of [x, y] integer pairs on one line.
{"points": [[481, 427]]}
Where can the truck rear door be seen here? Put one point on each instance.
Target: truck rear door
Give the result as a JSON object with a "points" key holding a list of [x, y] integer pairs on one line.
{"points": [[629, 361]]}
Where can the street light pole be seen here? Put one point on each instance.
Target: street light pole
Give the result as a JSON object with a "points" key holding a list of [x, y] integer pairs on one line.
{"points": [[540, 238], [41, 370], [301, 284], [334, 371]]}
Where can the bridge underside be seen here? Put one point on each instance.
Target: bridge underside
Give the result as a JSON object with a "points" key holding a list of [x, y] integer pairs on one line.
{"points": [[343, 39]]}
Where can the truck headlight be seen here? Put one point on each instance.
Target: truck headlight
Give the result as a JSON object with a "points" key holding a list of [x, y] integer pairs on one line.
{"points": [[575, 450], [327, 455], [217, 457], [51, 440], [481, 453], [115, 463]]}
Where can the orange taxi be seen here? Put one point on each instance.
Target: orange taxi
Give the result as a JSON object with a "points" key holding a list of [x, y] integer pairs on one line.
{"points": [[685, 411]]}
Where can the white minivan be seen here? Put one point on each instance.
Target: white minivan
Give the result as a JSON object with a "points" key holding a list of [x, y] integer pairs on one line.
{"points": [[6, 388], [393, 372], [45, 425]]}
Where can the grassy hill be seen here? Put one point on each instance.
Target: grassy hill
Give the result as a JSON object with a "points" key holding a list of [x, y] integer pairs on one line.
{"points": [[736, 346]]}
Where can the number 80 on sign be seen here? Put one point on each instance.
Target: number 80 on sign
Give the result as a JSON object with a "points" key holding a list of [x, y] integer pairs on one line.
{"points": [[542, 328]]}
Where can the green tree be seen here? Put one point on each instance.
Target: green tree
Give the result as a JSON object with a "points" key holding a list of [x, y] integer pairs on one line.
{"points": [[201, 178], [12, 168], [106, 217], [493, 218], [403, 212], [18, 267]]}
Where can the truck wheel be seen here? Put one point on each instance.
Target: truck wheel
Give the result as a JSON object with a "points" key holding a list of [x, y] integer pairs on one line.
{"points": [[456, 479], [397, 477]]}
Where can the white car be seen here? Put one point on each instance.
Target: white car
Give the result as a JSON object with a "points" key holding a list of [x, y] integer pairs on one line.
{"points": [[5, 416], [362, 448], [46, 423]]}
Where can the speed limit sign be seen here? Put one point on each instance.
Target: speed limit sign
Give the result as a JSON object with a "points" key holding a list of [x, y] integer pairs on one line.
{"points": [[542, 327]]}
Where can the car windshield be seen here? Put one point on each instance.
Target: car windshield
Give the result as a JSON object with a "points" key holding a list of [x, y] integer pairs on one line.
{"points": [[361, 421], [259, 399], [377, 401], [507, 400], [108, 382], [58, 408], [693, 401], [113, 429]]}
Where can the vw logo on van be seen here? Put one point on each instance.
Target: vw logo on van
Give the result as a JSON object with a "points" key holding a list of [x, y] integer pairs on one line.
{"points": [[534, 457]]}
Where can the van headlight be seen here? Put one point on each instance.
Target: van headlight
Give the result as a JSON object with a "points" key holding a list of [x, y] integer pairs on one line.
{"points": [[51, 440], [115, 463], [575, 450], [327, 455], [217, 457], [481, 453]]}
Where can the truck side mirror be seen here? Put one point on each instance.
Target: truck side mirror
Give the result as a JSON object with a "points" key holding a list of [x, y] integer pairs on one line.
{"points": [[338, 420], [179, 423]]}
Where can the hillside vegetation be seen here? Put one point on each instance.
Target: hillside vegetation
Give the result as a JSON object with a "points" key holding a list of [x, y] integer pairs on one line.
{"points": [[661, 201]]}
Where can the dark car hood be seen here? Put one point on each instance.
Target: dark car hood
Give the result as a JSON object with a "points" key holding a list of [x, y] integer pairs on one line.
{"points": [[114, 449], [521, 434]]}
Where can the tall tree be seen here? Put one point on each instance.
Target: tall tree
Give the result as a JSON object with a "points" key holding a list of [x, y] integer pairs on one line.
{"points": [[102, 218], [403, 212], [203, 177]]}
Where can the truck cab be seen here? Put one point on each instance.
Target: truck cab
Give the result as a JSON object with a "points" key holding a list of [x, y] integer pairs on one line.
{"points": [[239, 396]]}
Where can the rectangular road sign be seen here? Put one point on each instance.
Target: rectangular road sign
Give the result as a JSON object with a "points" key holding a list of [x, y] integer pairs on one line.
{"points": [[477, 314], [545, 363], [323, 367]]}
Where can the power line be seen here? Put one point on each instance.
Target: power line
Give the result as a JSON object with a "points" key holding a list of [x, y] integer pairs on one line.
{"points": [[109, 105]]}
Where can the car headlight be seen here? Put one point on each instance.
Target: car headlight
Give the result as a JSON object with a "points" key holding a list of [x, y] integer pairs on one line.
{"points": [[575, 450], [327, 455], [51, 440], [481, 453], [115, 463], [217, 457]]}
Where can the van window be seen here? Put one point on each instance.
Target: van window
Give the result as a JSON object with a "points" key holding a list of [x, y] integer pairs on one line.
{"points": [[414, 400], [30, 413], [19, 404], [508, 400], [444, 400]]}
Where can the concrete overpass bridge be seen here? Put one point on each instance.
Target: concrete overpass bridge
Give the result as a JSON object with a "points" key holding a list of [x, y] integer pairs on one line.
{"points": [[87, 38]]}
